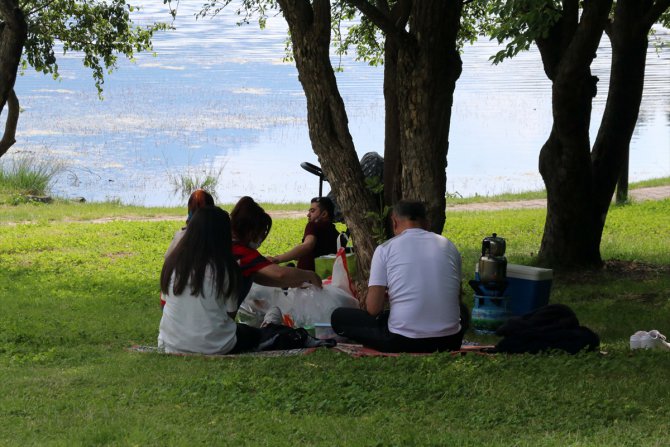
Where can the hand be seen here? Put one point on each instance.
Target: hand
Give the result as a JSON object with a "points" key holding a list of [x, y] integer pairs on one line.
{"points": [[272, 259], [316, 280]]}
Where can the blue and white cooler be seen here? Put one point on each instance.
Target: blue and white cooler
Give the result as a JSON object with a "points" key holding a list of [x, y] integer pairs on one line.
{"points": [[528, 288]]}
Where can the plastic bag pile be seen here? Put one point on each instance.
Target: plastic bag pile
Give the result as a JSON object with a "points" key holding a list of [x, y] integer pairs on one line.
{"points": [[303, 306]]}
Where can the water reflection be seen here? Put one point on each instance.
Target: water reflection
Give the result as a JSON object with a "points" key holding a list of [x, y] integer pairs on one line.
{"points": [[218, 97]]}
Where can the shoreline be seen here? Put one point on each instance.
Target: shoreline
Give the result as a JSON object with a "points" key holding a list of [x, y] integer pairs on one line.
{"points": [[637, 195]]}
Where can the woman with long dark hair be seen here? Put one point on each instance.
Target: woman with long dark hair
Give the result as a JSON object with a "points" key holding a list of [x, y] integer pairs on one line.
{"points": [[199, 282], [198, 199]]}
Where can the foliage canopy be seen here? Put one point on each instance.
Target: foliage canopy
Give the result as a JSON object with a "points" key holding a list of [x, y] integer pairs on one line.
{"points": [[100, 30]]}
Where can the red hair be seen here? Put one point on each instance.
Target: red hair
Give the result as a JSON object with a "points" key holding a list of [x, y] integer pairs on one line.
{"points": [[199, 199]]}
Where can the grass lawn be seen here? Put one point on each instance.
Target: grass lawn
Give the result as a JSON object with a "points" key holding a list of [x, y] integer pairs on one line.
{"points": [[75, 294]]}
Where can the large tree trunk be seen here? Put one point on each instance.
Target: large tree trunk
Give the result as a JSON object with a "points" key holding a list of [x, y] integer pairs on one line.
{"points": [[571, 238], [392, 161], [428, 66], [580, 185], [628, 35], [309, 25], [565, 165], [13, 32], [423, 34]]}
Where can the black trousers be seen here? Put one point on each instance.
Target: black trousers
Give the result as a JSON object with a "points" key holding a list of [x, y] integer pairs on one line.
{"points": [[248, 338], [271, 337], [373, 332]]}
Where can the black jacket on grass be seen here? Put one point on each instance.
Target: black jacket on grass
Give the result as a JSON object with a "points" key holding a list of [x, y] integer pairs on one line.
{"points": [[554, 326]]}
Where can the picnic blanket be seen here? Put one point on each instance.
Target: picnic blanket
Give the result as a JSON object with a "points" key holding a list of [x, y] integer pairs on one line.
{"points": [[279, 353], [352, 349], [356, 350]]}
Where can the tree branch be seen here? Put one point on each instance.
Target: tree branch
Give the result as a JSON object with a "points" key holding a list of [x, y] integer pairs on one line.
{"points": [[376, 16], [321, 16], [383, 6], [40, 8], [658, 8], [569, 22], [13, 110], [608, 28], [584, 42], [400, 13], [297, 13]]}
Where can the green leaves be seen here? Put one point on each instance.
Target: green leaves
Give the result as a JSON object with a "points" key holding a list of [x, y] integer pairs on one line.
{"points": [[518, 23], [99, 30], [378, 216]]}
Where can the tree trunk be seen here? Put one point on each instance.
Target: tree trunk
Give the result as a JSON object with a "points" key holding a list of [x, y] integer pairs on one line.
{"points": [[9, 136], [392, 161], [428, 66], [571, 238], [13, 34], [309, 25], [568, 240], [628, 35], [580, 187], [622, 182]]}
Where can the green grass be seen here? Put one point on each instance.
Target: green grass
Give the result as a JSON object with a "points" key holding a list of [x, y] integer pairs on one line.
{"points": [[64, 210], [75, 294], [663, 181], [507, 197], [26, 175], [542, 194]]}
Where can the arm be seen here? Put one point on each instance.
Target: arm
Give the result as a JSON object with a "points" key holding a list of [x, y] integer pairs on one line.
{"points": [[296, 252], [278, 276], [374, 302]]}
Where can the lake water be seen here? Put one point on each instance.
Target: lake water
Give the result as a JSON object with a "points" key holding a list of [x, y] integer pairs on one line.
{"points": [[217, 98]]}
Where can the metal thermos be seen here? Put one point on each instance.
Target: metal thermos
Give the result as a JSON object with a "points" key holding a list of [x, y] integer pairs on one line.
{"points": [[492, 263]]}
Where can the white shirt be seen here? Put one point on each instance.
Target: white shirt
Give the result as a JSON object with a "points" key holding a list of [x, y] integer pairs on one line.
{"points": [[198, 324], [175, 240], [422, 271]]}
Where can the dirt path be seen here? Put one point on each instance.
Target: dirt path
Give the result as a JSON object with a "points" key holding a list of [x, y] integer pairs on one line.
{"points": [[639, 195]]}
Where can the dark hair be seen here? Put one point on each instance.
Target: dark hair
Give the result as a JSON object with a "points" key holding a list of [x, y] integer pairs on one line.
{"points": [[325, 204], [198, 199], [249, 221], [410, 209], [206, 242]]}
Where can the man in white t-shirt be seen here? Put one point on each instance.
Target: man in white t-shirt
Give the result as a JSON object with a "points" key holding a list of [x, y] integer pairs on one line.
{"points": [[420, 272]]}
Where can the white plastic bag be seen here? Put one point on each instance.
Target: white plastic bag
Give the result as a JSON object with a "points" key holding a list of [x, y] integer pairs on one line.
{"points": [[341, 278], [258, 301], [313, 305], [302, 306]]}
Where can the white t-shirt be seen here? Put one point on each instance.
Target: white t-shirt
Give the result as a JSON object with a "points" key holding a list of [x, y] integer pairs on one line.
{"points": [[175, 240], [422, 271], [198, 324]]}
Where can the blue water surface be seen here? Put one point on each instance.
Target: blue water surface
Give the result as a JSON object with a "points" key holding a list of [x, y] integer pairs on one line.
{"points": [[217, 98]]}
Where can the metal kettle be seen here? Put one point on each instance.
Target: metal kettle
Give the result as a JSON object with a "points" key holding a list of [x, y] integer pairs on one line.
{"points": [[493, 246], [492, 263], [492, 270]]}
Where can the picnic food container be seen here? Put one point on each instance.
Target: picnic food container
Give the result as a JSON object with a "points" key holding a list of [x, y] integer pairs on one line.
{"points": [[527, 287], [323, 265]]}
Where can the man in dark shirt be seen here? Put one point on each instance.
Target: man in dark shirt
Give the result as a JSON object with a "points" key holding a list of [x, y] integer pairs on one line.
{"points": [[319, 238]]}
